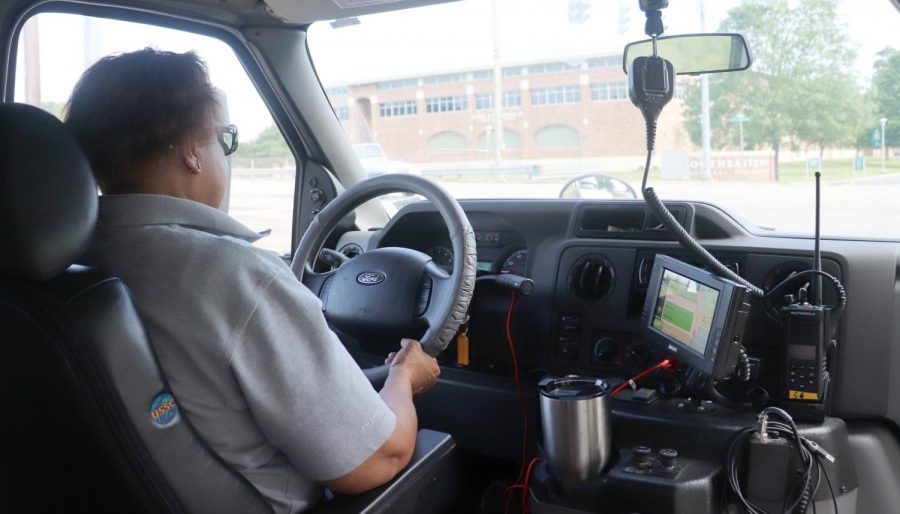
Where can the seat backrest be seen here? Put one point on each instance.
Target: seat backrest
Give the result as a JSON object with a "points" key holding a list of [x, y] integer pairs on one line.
{"points": [[90, 424]]}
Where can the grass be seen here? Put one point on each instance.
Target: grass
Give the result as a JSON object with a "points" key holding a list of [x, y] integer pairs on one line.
{"points": [[835, 169], [792, 172], [789, 173]]}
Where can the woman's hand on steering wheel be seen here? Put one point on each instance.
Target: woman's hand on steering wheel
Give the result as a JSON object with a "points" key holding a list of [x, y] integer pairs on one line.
{"points": [[411, 361]]}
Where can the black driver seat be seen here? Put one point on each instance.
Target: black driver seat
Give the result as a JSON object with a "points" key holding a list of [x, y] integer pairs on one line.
{"points": [[88, 423], [79, 378]]}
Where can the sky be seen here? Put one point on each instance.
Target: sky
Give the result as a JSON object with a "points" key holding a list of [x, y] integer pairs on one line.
{"points": [[427, 40]]}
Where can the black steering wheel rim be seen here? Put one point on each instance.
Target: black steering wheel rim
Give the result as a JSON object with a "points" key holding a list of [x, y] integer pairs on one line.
{"points": [[450, 308]]}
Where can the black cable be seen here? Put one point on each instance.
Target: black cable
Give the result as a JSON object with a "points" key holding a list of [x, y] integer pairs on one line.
{"points": [[743, 371], [665, 217], [687, 241], [836, 284], [828, 481], [798, 500]]}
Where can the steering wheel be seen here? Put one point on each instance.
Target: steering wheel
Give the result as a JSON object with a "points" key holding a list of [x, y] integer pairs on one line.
{"points": [[392, 292]]}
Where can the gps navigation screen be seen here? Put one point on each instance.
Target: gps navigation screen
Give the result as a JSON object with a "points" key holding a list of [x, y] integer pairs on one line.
{"points": [[685, 310]]}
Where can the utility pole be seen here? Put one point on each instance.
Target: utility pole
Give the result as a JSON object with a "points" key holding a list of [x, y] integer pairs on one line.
{"points": [[704, 105], [497, 143], [32, 62]]}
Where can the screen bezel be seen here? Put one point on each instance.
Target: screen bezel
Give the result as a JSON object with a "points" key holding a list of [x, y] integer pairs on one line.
{"points": [[706, 361], [712, 323]]}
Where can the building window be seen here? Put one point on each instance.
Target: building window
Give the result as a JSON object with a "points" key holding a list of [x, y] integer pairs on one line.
{"points": [[611, 61], [555, 95], [512, 98], [446, 103], [483, 75], [513, 71], [512, 140], [447, 141], [337, 91], [557, 136], [486, 100], [609, 91], [551, 67], [342, 112], [401, 108], [444, 79], [398, 84]]}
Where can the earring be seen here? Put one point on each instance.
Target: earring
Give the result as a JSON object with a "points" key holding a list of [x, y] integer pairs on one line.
{"points": [[197, 162]]}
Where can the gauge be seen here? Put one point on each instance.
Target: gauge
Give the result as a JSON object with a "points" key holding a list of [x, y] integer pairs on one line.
{"points": [[442, 256], [515, 263]]}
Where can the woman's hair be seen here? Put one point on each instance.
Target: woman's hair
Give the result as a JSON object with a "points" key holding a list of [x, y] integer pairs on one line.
{"points": [[130, 107]]}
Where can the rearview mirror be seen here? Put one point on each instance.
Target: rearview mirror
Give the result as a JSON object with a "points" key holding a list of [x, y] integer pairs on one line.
{"points": [[693, 54]]}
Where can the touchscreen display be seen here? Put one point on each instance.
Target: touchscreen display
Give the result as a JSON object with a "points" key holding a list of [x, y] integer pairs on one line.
{"points": [[684, 310]]}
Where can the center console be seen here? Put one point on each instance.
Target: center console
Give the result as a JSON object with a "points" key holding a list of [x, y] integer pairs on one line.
{"points": [[665, 460]]}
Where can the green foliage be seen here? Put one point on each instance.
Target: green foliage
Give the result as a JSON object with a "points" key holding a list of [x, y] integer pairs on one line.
{"points": [[798, 88], [885, 94], [55, 108], [269, 143]]}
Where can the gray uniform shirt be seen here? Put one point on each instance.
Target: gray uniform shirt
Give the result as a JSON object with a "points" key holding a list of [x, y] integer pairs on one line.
{"points": [[243, 345]]}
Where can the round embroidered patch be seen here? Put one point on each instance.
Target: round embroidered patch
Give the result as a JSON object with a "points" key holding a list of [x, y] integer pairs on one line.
{"points": [[163, 410]]}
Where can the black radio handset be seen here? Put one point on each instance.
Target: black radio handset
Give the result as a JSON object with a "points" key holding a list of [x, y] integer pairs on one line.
{"points": [[808, 331]]}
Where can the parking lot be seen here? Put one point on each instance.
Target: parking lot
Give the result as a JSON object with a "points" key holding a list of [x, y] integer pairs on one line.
{"points": [[855, 208]]}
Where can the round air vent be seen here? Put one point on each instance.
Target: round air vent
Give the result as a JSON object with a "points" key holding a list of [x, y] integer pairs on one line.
{"points": [[789, 269], [592, 277]]}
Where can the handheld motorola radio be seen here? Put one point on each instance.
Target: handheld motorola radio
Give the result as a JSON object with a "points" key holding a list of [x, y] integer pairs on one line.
{"points": [[808, 327]]}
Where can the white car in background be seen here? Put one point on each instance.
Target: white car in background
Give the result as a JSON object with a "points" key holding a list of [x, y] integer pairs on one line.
{"points": [[376, 163]]}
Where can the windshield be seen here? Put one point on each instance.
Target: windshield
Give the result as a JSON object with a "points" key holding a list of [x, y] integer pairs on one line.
{"points": [[365, 151], [821, 95]]}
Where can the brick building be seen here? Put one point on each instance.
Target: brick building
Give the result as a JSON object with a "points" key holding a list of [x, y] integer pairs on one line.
{"points": [[553, 112]]}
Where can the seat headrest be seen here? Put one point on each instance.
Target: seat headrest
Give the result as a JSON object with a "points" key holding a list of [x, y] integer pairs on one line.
{"points": [[48, 197]]}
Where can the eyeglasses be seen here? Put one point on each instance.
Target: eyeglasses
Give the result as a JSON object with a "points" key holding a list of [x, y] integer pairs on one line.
{"points": [[228, 138]]}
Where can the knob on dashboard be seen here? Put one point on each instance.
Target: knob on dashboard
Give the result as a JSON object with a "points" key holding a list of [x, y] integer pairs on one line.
{"points": [[607, 349]]}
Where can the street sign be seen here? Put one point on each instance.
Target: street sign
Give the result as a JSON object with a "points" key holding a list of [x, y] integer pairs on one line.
{"points": [[859, 164], [812, 163], [876, 139], [739, 118]]}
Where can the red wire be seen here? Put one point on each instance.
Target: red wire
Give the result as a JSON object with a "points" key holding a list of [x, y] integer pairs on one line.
{"points": [[664, 364], [515, 363], [525, 485], [522, 406]]}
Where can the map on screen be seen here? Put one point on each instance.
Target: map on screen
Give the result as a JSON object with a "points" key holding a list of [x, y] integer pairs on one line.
{"points": [[685, 310]]}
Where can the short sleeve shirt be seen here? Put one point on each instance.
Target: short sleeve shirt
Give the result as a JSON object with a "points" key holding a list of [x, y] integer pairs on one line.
{"points": [[244, 346]]}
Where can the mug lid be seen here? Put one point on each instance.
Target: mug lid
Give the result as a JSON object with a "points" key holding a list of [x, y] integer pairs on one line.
{"points": [[573, 387]]}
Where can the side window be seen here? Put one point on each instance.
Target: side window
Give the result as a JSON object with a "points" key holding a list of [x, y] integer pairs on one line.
{"points": [[54, 49]]}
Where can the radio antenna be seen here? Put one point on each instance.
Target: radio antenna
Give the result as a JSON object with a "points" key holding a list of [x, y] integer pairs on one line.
{"points": [[817, 255]]}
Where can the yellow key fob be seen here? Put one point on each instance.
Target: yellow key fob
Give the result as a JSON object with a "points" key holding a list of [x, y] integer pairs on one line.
{"points": [[462, 348]]}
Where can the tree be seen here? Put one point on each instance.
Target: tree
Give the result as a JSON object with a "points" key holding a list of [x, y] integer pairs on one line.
{"points": [[797, 49], [832, 112], [269, 143], [885, 92]]}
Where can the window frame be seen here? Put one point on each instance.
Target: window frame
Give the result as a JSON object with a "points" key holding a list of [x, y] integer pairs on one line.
{"points": [[296, 138]]}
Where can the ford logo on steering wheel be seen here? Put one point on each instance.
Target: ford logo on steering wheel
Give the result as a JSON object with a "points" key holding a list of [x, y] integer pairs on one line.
{"points": [[368, 278]]}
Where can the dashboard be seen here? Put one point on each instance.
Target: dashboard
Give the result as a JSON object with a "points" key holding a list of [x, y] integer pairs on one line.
{"points": [[590, 262]]}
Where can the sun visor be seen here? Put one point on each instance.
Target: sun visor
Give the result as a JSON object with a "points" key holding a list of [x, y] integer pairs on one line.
{"points": [[292, 11]]}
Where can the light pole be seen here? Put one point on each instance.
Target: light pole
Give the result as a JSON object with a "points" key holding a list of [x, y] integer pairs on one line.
{"points": [[883, 143], [704, 107]]}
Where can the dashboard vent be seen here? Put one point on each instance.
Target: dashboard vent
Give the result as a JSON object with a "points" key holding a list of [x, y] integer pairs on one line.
{"points": [[592, 277], [627, 221]]}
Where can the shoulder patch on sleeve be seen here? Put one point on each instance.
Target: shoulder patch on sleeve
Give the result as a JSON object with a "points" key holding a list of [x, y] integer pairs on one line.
{"points": [[164, 410]]}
